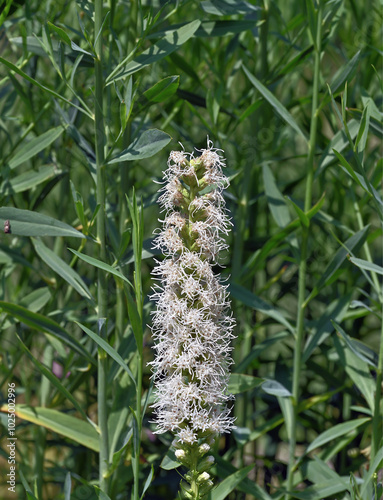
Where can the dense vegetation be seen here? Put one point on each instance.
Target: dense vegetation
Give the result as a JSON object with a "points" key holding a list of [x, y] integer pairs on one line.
{"points": [[94, 96]]}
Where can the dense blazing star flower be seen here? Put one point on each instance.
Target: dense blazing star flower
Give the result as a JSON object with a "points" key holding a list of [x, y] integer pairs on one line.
{"points": [[191, 326]]}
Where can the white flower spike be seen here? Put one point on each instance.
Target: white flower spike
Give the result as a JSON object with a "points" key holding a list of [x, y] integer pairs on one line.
{"points": [[191, 326]]}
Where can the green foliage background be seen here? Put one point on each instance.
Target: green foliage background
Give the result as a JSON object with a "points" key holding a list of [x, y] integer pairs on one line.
{"points": [[306, 206]]}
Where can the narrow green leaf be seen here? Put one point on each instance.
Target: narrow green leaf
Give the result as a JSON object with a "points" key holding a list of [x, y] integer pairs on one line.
{"points": [[135, 321], [108, 349], [320, 491], [354, 241], [185, 67], [62, 268], [228, 7], [146, 145], [258, 349], [305, 221], [344, 73], [279, 108], [117, 456], [162, 89], [257, 260], [148, 481], [210, 29], [339, 142], [35, 146], [371, 471], [225, 469], [27, 488], [60, 32], [317, 471], [286, 406], [52, 378], [241, 435], [101, 495], [239, 383], [246, 297], [100, 265], [225, 28], [71, 427], [27, 223], [37, 299], [47, 325], [228, 484], [311, 17], [323, 327], [336, 431], [18, 71], [170, 43], [361, 139], [362, 351], [368, 266], [5, 10], [250, 109], [275, 388], [357, 370], [348, 167], [28, 180], [275, 198]]}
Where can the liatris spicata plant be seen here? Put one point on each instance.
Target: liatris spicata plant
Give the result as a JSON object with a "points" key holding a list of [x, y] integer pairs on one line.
{"points": [[191, 325]]}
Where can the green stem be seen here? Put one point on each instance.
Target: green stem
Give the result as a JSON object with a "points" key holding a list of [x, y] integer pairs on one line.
{"points": [[124, 184], [40, 431], [136, 494], [303, 258], [264, 36], [102, 284], [377, 418], [137, 243]]}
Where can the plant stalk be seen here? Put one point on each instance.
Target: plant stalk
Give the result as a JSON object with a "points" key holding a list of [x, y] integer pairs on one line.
{"points": [[376, 418], [304, 253], [139, 301], [99, 131]]}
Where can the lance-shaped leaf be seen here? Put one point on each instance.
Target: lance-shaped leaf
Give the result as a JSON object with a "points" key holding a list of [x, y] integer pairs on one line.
{"points": [[24, 75], [354, 241], [336, 431], [27, 180], [161, 49], [52, 378], [252, 300], [62, 269], [275, 103], [240, 382], [71, 427], [35, 146], [108, 349], [100, 265], [163, 89], [47, 325], [230, 482], [27, 223], [148, 144]]}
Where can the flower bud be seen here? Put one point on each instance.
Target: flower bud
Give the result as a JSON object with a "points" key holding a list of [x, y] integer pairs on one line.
{"points": [[205, 464], [203, 449], [203, 478], [180, 454], [206, 487]]}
